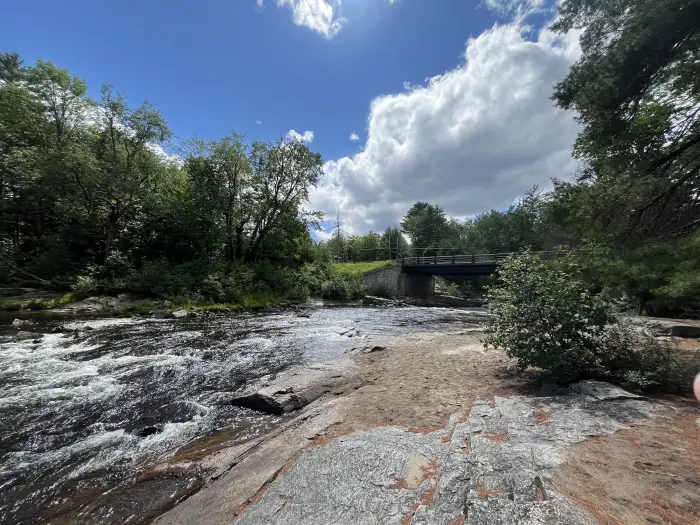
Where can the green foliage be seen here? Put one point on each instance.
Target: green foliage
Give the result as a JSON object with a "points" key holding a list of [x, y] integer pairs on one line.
{"points": [[635, 90], [361, 268], [85, 286], [545, 315]]}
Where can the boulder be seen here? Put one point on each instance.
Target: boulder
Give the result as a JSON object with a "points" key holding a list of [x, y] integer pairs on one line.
{"points": [[24, 336], [161, 315], [295, 389], [179, 314], [676, 328], [21, 323]]}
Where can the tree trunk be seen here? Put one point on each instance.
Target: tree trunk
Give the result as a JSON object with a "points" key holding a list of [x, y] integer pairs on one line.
{"points": [[112, 224]]}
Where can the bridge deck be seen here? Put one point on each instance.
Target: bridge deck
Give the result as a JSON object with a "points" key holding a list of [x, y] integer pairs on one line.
{"points": [[480, 258]]}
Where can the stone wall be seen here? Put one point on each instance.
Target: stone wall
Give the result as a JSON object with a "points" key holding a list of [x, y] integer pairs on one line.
{"points": [[384, 282]]}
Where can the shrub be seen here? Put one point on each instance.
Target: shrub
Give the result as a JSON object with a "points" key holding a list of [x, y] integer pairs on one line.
{"points": [[545, 315], [85, 286], [336, 288]]}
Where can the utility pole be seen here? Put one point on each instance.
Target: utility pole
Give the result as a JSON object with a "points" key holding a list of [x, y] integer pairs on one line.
{"points": [[338, 237]]}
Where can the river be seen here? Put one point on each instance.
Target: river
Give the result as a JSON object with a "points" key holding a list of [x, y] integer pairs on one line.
{"points": [[83, 415]]}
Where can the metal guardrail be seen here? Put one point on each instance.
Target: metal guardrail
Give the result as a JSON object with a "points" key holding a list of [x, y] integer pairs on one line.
{"points": [[481, 258]]}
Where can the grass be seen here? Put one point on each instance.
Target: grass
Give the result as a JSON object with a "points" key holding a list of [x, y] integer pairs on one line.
{"points": [[361, 268], [41, 303], [249, 302]]}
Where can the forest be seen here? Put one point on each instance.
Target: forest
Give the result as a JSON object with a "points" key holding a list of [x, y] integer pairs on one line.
{"points": [[90, 200]]}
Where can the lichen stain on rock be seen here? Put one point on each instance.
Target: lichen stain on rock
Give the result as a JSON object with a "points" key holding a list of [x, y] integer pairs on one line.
{"points": [[494, 437], [541, 417], [484, 492]]}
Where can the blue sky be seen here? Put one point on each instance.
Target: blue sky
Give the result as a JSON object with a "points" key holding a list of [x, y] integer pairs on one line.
{"points": [[320, 67]]}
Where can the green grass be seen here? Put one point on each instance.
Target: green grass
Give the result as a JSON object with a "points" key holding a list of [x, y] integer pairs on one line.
{"points": [[361, 268], [249, 302], [42, 303]]}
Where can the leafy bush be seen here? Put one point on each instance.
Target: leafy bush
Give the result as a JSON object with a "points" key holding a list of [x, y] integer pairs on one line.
{"points": [[545, 316], [336, 288], [85, 286]]}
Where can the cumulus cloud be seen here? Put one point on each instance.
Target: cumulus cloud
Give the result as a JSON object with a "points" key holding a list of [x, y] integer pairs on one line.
{"points": [[318, 15], [354, 137], [307, 136], [472, 139]]}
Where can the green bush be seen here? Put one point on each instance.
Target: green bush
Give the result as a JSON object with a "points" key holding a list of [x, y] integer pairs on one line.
{"points": [[336, 288], [85, 286], [544, 315]]}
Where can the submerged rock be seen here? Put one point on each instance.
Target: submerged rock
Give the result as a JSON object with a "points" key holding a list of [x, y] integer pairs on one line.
{"points": [[294, 390]]}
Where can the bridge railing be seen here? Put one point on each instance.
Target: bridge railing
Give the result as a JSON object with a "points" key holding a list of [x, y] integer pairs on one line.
{"points": [[480, 258]]}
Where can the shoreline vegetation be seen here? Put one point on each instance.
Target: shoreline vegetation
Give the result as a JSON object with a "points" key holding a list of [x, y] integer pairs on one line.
{"points": [[331, 281]]}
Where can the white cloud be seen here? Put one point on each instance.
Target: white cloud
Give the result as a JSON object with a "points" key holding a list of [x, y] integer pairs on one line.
{"points": [[520, 9], [307, 136], [258, 122], [354, 137], [319, 15], [259, 2], [472, 139]]}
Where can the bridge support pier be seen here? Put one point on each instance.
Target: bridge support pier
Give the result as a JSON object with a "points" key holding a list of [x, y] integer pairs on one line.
{"points": [[417, 285]]}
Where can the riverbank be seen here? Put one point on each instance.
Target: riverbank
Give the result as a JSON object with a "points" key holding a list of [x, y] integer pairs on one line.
{"points": [[435, 429]]}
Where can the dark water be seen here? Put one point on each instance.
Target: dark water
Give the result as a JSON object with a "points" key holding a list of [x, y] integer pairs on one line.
{"points": [[84, 415]]}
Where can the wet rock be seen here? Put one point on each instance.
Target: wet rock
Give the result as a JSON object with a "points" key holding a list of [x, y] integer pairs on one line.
{"points": [[179, 314], [60, 330], [21, 323], [149, 431], [24, 336], [371, 300], [161, 315], [193, 308], [293, 390], [304, 315]]}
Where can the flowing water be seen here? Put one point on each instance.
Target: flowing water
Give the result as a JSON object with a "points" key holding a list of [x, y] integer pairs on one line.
{"points": [[83, 415]]}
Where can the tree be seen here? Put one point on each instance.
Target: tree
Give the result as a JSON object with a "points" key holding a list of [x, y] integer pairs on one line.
{"points": [[636, 92], [426, 226], [395, 244], [282, 176], [119, 166]]}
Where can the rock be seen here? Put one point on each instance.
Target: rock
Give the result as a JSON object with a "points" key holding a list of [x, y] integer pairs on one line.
{"points": [[372, 349], [161, 315], [88, 328], [24, 336], [193, 308], [60, 330], [676, 328], [20, 323], [653, 518], [294, 390], [371, 300], [166, 304], [179, 314], [602, 391]]}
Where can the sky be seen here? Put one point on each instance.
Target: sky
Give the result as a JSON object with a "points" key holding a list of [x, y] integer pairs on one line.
{"points": [[445, 101]]}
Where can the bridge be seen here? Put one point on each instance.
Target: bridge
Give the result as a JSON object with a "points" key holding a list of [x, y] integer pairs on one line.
{"points": [[417, 275]]}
